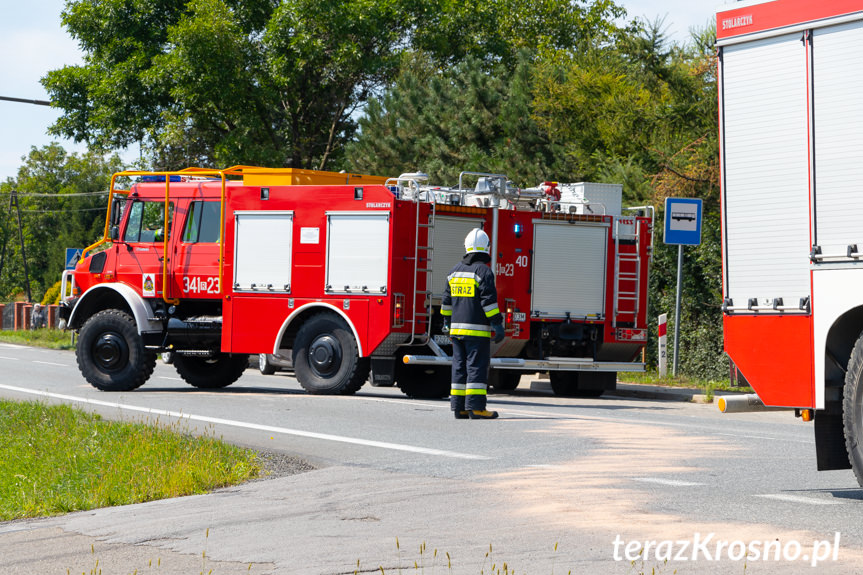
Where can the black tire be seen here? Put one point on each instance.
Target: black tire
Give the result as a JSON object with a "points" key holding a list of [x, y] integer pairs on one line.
{"points": [[425, 381], [110, 353], [264, 366], [503, 380], [211, 373], [564, 383], [852, 410], [326, 357], [167, 357], [578, 384]]}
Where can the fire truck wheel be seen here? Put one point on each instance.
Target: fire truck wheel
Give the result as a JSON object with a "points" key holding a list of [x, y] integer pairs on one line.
{"points": [[425, 381], [326, 357], [264, 366], [567, 384], [852, 410], [502, 380], [110, 354], [211, 373]]}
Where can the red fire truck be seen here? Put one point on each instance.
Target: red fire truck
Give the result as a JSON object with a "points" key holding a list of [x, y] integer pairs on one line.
{"points": [[791, 129], [343, 274]]}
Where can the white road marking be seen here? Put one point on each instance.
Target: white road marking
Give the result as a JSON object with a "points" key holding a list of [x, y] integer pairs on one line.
{"points": [[9, 358], [52, 363], [13, 346], [171, 378], [798, 499], [255, 426], [672, 482]]}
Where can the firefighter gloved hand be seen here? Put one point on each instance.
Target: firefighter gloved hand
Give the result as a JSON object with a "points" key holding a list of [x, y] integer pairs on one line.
{"points": [[446, 325], [498, 332]]}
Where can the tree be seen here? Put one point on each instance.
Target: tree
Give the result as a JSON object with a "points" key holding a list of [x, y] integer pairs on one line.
{"points": [[274, 82], [460, 119], [63, 198]]}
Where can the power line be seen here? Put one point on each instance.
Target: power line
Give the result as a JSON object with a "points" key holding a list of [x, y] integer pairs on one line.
{"points": [[57, 195], [65, 211]]}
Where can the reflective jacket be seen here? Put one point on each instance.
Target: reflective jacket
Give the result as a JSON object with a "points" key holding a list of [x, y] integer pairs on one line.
{"points": [[470, 297]]}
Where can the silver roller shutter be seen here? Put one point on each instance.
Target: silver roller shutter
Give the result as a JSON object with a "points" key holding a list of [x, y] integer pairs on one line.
{"points": [[263, 250], [766, 157], [358, 247], [449, 234], [838, 121], [569, 267]]}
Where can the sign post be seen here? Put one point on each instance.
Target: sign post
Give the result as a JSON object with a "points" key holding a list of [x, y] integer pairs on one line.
{"points": [[682, 228], [663, 345]]}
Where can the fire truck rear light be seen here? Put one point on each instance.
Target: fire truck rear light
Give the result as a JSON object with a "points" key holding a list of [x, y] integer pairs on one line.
{"points": [[398, 310], [509, 306], [625, 334]]}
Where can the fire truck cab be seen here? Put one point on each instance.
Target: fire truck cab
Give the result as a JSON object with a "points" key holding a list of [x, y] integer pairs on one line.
{"points": [[343, 273]]}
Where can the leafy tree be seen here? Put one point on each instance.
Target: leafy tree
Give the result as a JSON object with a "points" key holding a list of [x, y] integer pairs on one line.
{"points": [[274, 82], [62, 198], [443, 122]]}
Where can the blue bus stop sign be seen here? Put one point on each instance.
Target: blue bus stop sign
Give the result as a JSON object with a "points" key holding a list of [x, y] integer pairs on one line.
{"points": [[72, 257], [682, 221]]}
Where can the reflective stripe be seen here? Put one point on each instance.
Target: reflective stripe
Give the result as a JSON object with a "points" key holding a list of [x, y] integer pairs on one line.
{"points": [[471, 326], [459, 385], [446, 312], [476, 392], [492, 313], [472, 332], [469, 275], [457, 392], [490, 307]]}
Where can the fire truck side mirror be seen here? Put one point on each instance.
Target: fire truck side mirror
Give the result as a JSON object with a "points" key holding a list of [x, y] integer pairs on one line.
{"points": [[115, 233]]}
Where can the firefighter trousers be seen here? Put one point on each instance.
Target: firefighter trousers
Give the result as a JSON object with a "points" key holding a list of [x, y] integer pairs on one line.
{"points": [[470, 360]]}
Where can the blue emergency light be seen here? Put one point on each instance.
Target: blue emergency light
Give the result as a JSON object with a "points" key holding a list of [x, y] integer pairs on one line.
{"points": [[157, 179]]}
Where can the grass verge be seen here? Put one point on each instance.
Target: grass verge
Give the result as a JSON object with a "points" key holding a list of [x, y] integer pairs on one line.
{"points": [[57, 459], [708, 386], [50, 338]]}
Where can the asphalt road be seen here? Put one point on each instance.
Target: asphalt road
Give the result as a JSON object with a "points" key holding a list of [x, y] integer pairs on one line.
{"points": [[613, 485]]}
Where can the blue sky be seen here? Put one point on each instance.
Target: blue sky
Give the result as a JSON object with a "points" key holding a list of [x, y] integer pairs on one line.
{"points": [[32, 42]]}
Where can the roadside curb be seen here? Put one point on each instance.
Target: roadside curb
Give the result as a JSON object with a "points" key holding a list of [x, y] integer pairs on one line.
{"points": [[641, 391]]}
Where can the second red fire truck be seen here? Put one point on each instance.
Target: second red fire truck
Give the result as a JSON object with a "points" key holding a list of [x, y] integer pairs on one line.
{"points": [[343, 274], [791, 129]]}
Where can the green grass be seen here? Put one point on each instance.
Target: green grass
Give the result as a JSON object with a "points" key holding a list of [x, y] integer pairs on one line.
{"points": [[50, 338], [57, 459], [708, 386]]}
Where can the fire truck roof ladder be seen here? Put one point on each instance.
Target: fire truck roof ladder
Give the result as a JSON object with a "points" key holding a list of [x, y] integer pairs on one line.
{"points": [[412, 182]]}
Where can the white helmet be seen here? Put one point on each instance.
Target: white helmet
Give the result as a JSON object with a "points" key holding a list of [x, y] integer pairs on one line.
{"points": [[476, 241]]}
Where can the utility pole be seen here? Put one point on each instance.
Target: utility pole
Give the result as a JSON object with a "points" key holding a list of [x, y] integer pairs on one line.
{"points": [[13, 201]]}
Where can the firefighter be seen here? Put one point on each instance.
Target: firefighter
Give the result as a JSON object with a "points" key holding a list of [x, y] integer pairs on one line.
{"points": [[471, 314]]}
